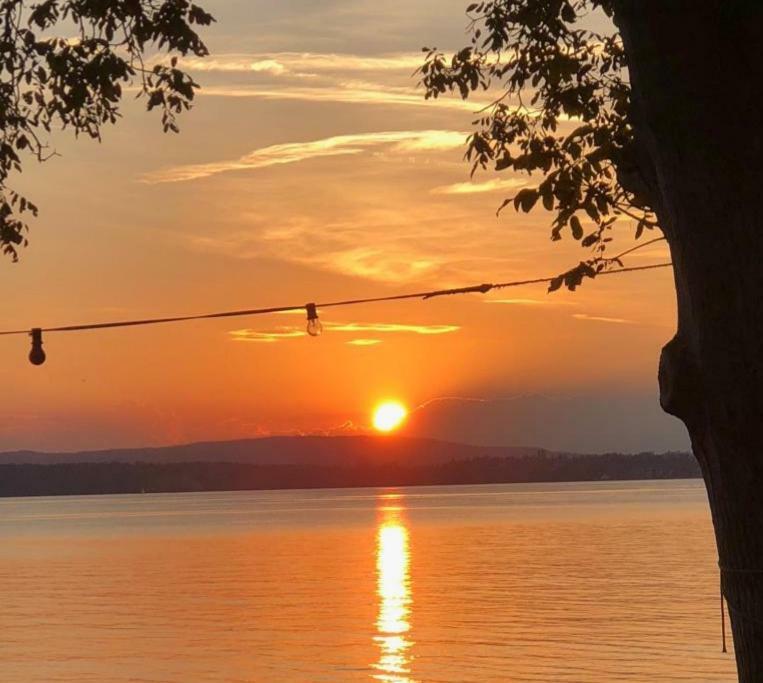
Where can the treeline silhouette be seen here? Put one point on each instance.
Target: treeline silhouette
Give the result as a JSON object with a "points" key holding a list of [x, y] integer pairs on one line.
{"points": [[122, 477]]}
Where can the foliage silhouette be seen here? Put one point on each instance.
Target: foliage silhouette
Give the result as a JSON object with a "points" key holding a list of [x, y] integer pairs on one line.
{"points": [[552, 72], [76, 81], [667, 115]]}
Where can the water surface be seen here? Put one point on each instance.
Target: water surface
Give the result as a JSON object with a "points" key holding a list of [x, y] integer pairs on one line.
{"points": [[607, 581]]}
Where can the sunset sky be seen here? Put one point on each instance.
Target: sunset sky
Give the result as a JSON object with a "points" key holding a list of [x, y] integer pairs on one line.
{"points": [[311, 168]]}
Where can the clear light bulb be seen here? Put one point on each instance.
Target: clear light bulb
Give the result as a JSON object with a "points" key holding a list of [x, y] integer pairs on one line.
{"points": [[36, 355], [314, 326]]}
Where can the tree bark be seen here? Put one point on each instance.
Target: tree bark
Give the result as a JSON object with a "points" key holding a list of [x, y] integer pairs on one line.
{"points": [[696, 69]]}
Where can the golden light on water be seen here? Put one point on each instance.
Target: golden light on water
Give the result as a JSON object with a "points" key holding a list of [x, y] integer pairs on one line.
{"points": [[393, 578], [389, 415], [394, 594]]}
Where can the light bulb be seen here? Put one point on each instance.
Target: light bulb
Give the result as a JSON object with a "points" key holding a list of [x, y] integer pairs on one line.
{"points": [[36, 355], [314, 326]]}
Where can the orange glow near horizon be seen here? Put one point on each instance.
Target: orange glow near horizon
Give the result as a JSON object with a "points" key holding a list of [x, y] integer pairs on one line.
{"points": [[389, 416], [329, 178]]}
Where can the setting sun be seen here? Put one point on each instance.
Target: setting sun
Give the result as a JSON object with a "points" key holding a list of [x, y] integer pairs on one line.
{"points": [[389, 415]]}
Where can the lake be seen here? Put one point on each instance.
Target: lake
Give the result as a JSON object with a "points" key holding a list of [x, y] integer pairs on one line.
{"points": [[605, 581]]}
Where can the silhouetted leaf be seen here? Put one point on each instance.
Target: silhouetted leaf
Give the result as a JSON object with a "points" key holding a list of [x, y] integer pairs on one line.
{"points": [[75, 81], [526, 199], [558, 72]]}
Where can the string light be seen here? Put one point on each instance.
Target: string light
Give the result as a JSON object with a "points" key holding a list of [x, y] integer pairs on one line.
{"points": [[36, 355], [314, 325]]}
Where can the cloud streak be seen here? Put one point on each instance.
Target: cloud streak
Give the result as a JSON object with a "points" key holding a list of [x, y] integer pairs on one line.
{"points": [[386, 79], [392, 327], [278, 334], [343, 92], [301, 63], [601, 319], [405, 141], [494, 185], [282, 333], [386, 239], [532, 302]]}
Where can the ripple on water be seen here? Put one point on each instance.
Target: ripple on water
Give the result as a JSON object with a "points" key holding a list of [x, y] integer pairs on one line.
{"points": [[536, 583]]}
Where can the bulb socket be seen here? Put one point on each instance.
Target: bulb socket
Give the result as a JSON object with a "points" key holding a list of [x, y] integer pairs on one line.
{"points": [[314, 326]]}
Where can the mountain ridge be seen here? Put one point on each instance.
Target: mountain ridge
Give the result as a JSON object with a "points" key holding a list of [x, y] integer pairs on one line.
{"points": [[282, 450], [288, 462]]}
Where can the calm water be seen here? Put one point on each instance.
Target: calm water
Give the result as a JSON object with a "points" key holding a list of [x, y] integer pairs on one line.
{"points": [[561, 582]]}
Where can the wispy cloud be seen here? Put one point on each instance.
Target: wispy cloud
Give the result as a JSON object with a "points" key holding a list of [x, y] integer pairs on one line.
{"points": [[381, 261], [381, 79], [397, 242], [282, 333], [301, 62], [270, 66], [532, 302], [344, 92], [385, 79], [493, 185], [328, 246], [404, 141], [278, 334], [601, 319], [392, 327]]}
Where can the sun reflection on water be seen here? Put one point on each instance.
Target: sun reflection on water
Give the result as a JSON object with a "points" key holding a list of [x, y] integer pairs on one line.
{"points": [[393, 589]]}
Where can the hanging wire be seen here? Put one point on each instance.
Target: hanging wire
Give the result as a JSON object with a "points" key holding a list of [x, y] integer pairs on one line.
{"points": [[479, 289], [723, 617], [734, 609], [637, 247]]}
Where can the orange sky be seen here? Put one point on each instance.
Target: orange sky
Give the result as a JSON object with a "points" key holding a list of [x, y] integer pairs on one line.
{"points": [[309, 169]]}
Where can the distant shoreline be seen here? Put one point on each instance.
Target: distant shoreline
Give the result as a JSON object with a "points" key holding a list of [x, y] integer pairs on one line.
{"points": [[94, 478]]}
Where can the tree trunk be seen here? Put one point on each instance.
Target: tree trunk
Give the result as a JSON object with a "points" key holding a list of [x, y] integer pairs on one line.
{"points": [[696, 69]]}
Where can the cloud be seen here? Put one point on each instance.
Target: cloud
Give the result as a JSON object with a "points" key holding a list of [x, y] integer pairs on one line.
{"points": [[268, 66], [432, 141], [278, 334], [349, 92], [281, 333], [294, 152], [391, 327], [384, 238], [382, 262], [329, 246], [384, 80], [568, 423], [301, 62], [532, 302], [487, 186], [364, 342], [601, 319]]}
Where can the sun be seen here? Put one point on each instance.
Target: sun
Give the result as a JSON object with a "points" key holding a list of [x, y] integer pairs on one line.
{"points": [[389, 415]]}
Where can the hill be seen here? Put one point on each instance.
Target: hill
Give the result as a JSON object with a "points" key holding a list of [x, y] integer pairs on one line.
{"points": [[316, 462], [285, 450]]}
